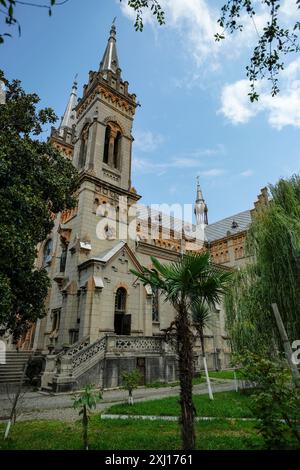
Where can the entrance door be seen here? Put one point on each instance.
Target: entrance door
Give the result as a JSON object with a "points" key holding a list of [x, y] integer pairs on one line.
{"points": [[122, 321], [122, 324]]}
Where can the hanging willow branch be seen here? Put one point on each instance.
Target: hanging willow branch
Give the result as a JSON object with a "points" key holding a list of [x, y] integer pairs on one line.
{"points": [[274, 277]]}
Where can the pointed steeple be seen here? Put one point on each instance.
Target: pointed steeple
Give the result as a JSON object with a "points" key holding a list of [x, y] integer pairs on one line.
{"points": [[201, 211], [110, 61], [69, 117]]}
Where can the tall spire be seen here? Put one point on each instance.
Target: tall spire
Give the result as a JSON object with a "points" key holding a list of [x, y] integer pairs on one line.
{"points": [[200, 206], [110, 59], [69, 117]]}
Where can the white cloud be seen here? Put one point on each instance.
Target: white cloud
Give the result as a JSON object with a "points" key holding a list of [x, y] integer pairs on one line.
{"points": [[289, 10], [193, 159], [247, 173], [235, 105], [196, 23], [212, 172], [281, 110], [147, 141]]}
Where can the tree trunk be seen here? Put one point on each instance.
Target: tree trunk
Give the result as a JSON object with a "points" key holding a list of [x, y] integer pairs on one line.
{"points": [[286, 345], [210, 393], [85, 428], [130, 397], [185, 353]]}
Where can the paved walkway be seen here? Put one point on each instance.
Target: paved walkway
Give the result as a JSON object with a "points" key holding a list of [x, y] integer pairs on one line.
{"points": [[44, 406], [171, 418]]}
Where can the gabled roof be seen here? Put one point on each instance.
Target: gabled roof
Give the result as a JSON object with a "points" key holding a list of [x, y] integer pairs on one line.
{"points": [[106, 256]]}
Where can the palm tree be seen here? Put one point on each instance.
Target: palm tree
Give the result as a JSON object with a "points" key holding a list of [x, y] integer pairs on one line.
{"points": [[201, 315], [192, 276]]}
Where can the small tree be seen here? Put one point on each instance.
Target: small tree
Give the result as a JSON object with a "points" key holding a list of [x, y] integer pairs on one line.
{"points": [[201, 318], [131, 381], [274, 402], [85, 402], [181, 282]]}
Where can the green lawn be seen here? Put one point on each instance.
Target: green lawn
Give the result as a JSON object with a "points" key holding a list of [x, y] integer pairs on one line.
{"points": [[223, 374], [225, 404], [129, 435], [196, 381]]}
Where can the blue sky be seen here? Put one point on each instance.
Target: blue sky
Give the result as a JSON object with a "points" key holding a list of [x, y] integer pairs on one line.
{"points": [[195, 118]]}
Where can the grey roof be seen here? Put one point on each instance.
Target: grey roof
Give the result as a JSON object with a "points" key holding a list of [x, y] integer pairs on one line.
{"points": [[167, 221], [234, 224], [69, 117], [230, 226], [110, 59]]}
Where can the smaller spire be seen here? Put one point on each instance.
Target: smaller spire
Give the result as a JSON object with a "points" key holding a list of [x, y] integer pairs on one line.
{"points": [[201, 209], [69, 117], [110, 59], [199, 191]]}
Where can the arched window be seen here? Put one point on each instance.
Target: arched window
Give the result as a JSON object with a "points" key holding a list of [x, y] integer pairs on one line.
{"points": [[155, 304], [117, 146], [106, 145], [120, 302], [63, 258], [47, 254], [122, 321], [96, 204], [83, 146], [112, 145]]}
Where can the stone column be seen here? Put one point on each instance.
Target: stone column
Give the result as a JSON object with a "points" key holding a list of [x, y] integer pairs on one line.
{"points": [[111, 148], [93, 131]]}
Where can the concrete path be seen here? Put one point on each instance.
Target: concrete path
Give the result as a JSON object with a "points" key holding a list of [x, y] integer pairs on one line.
{"points": [[44, 406], [170, 418]]}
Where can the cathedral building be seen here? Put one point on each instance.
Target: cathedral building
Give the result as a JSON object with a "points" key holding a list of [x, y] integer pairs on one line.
{"points": [[100, 319]]}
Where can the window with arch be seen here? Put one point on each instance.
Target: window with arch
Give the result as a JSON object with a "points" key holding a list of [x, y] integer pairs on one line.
{"points": [[106, 144], [120, 301], [47, 253], [122, 321], [155, 304], [112, 145], [63, 258], [83, 146], [117, 147]]}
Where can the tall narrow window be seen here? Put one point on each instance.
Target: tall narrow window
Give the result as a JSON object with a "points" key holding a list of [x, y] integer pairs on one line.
{"points": [[106, 145], [117, 147], [83, 146], [155, 305], [47, 254], [122, 321], [120, 302], [63, 258]]}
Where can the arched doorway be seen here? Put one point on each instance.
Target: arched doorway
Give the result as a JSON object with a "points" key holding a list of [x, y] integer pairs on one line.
{"points": [[122, 323]]}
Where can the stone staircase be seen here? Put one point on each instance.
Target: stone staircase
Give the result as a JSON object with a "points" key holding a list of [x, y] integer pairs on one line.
{"points": [[11, 372], [101, 363]]}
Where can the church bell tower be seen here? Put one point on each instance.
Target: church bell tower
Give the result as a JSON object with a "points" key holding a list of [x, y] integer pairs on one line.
{"points": [[104, 123]]}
